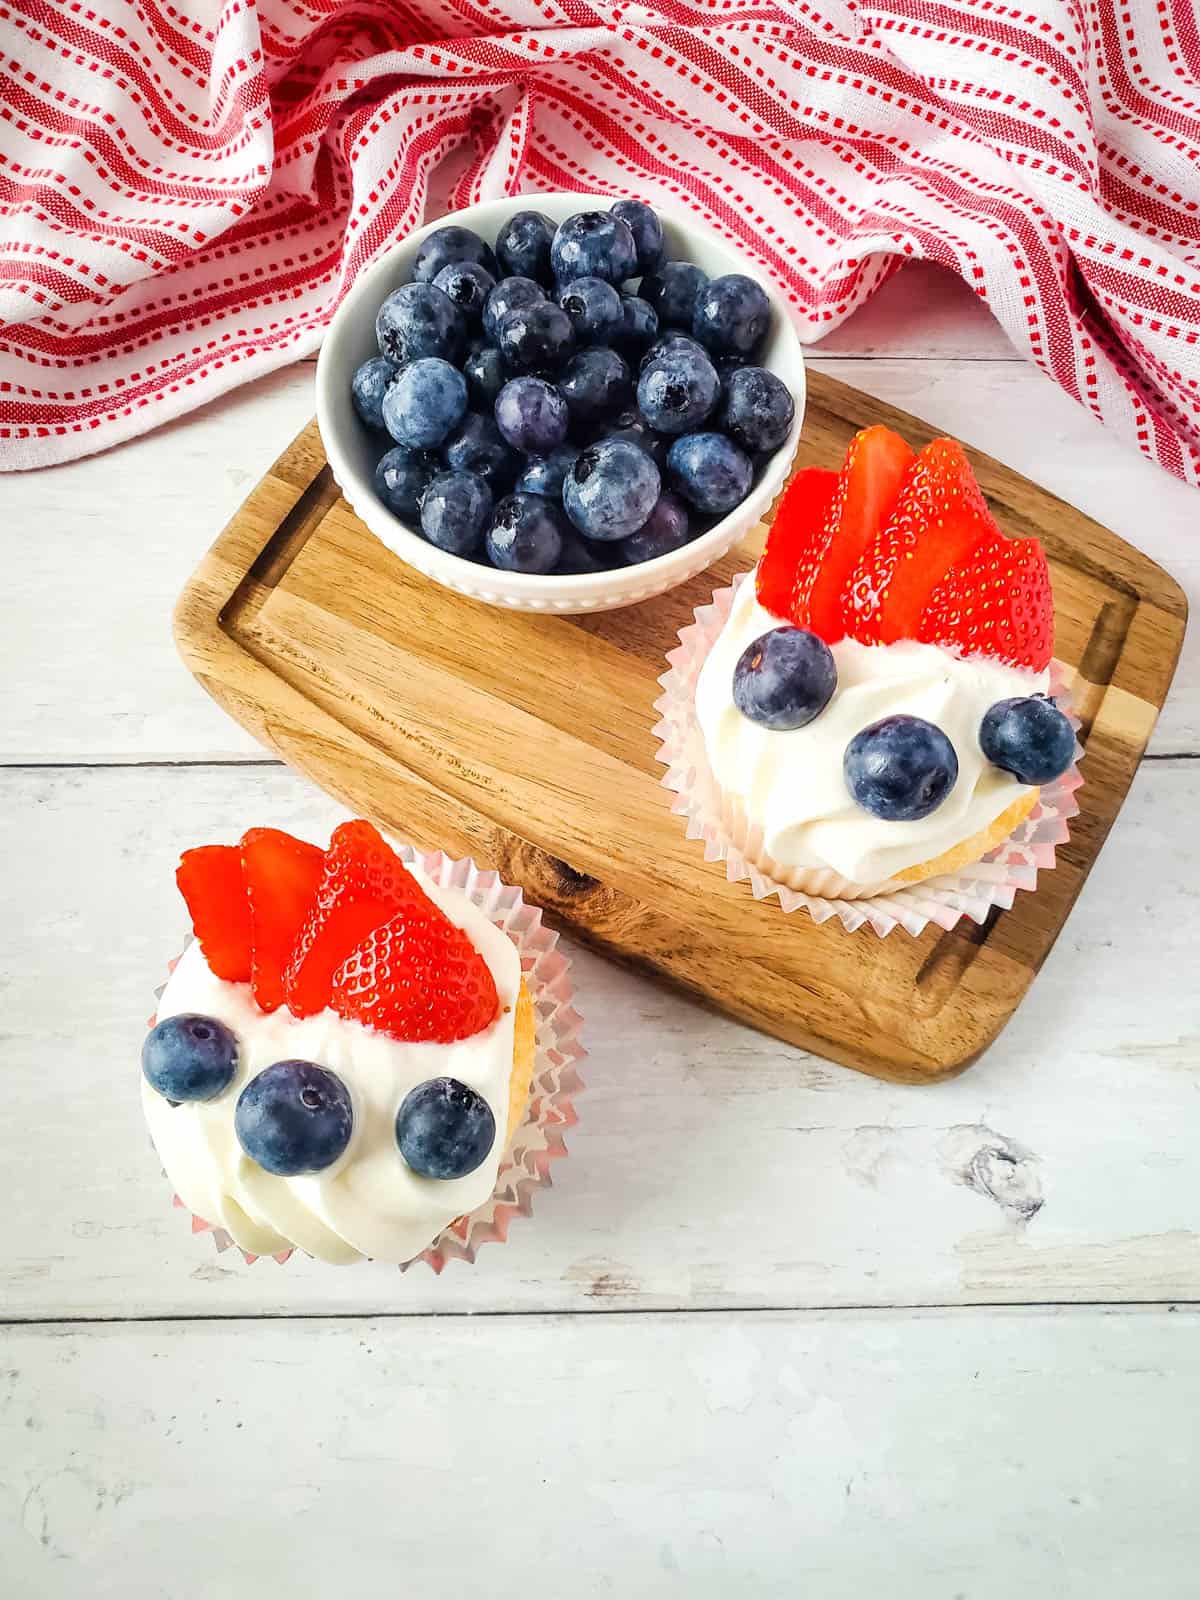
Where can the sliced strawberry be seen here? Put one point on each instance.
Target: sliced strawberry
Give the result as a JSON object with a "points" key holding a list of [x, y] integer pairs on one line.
{"points": [[417, 977], [282, 874], [997, 602], [868, 484], [799, 520], [938, 518], [210, 880], [363, 884]]}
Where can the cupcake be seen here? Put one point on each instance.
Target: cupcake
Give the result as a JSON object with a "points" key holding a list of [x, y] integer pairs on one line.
{"points": [[876, 709], [343, 1053]]}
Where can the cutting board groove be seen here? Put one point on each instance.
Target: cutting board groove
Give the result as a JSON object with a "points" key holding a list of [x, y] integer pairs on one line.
{"points": [[525, 741]]}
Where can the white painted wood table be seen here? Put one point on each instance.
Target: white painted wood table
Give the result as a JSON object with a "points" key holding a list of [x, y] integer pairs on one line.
{"points": [[778, 1329]]}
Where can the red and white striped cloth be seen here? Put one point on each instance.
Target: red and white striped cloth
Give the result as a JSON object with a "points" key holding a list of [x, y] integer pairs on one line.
{"points": [[187, 190]]}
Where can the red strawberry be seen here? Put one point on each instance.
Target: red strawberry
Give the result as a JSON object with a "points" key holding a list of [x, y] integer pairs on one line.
{"points": [[281, 874], [799, 520], [867, 487], [363, 884], [210, 880], [996, 602], [417, 977], [938, 518]]}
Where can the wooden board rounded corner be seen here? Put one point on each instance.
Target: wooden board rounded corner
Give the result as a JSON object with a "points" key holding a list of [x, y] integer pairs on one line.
{"points": [[310, 633]]}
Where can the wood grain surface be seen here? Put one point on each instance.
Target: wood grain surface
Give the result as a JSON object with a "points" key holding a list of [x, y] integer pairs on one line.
{"points": [[525, 741]]}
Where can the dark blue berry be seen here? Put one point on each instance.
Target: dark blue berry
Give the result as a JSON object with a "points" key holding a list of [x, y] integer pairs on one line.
{"points": [[1029, 737], [190, 1057], [639, 327], [425, 404], [368, 386], [594, 383], [544, 474], [536, 338], [523, 246], [757, 409], [710, 472], [784, 679], [678, 392], [731, 315], [479, 447], [448, 245], [485, 374], [667, 528], [509, 295], [419, 320], [611, 490], [455, 509], [444, 1129], [593, 244], [294, 1117], [401, 478], [580, 555], [633, 426], [673, 291], [532, 415], [467, 285], [673, 343], [526, 534], [900, 768], [647, 233], [594, 308]]}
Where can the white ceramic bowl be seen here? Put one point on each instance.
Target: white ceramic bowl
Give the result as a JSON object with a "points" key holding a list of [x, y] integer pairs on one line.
{"points": [[352, 453]]}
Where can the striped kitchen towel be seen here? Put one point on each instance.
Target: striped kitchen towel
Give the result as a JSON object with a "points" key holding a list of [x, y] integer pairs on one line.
{"points": [[187, 190]]}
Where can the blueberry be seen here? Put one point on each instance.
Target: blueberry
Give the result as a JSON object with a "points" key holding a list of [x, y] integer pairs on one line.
{"points": [[526, 535], [670, 344], [900, 768], [710, 472], [594, 383], [594, 244], [190, 1057], [633, 426], [532, 415], [667, 528], [454, 512], [757, 410], [509, 295], [467, 285], [784, 679], [448, 245], [673, 291], [523, 246], [444, 1129], [367, 389], [678, 392], [1029, 737], [294, 1117], [731, 315], [479, 447], [647, 233], [544, 474], [726, 367], [401, 478], [580, 555], [594, 308], [611, 489], [484, 371], [425, 404], [639, 327], [419, 320], [536, 338]]}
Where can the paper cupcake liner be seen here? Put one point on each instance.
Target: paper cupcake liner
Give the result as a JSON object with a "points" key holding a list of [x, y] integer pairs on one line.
{"points": [[727, 836], [558, 1050]]}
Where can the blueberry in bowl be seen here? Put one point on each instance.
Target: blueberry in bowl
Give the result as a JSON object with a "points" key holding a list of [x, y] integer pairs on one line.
{"points": [[567, 409]]}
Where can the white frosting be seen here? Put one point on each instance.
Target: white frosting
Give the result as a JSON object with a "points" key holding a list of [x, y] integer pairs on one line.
{"points": [[792, 784], [369, 1203]]}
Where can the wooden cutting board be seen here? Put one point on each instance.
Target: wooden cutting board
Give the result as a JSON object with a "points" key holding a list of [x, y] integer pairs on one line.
{"points": [[524, 741]]}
